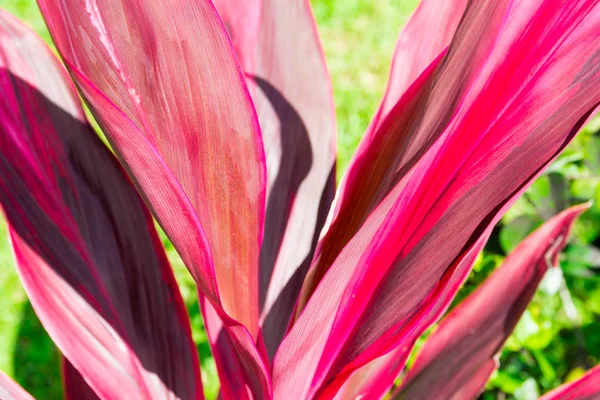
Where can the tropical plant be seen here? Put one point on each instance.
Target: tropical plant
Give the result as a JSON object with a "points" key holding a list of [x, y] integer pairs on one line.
{"points": [[222, 125]]}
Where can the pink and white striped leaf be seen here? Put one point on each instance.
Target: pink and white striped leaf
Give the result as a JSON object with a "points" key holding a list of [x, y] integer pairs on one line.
{"points": [[585, 388], [514, 87], [84, 243], [163, 82], [467, 341], [278, 46], [11, 390]]}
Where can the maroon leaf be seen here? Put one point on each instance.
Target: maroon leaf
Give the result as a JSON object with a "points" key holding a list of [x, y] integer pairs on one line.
{"points": [[375, 379], [426, 35], [163, 83], [84, 243], [455, 356], [75, 387], [230, 370], [514, 87]]}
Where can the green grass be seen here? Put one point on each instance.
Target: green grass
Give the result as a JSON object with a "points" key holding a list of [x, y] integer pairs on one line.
{"points": [[359, 37]]}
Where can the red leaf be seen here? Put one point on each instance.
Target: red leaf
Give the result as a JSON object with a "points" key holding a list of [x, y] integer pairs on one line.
{"points": [[10, 390], [585, 388], [163, 83], [473, 334], [375, 379], [278, 45], [84, 243], [466, 140]]}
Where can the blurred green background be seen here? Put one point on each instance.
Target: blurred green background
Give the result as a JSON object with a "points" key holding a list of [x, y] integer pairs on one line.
{"points": [[557, 339]]}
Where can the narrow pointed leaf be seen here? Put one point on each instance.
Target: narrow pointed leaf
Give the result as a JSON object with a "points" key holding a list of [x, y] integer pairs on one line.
{"points": [[163, 82], [10, 390], [425, 36], [252, 360], [516, 84], [585, 388], [375, 379], [84, 243], [278, 46], [474, 332]]}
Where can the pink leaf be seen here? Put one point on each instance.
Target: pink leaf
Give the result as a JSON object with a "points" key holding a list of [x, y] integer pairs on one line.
{"points": [[375, 379], [426, 35], [514, 87], [229, 369], [84, 243], [190, 112], [585, 388], [10, 390], [163, 82], [278, 45], [474, 332]]}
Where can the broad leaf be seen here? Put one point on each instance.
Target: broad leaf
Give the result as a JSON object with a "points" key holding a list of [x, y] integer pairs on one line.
{"points": [[469, 136], [426, 35], [467, 341], [163, 82], [277, 43], [84, 243]]}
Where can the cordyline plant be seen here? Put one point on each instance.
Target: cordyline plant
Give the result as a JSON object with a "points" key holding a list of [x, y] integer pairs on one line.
{"points": [[223, 129]]}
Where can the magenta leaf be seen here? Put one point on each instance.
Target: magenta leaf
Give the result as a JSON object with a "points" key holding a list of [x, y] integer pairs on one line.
{"points": [[585, 388], [84, 243], [472, 335], [375, 379], [424, 37], [10, 390], [278, 46], [478, 126], [164, 84]]}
